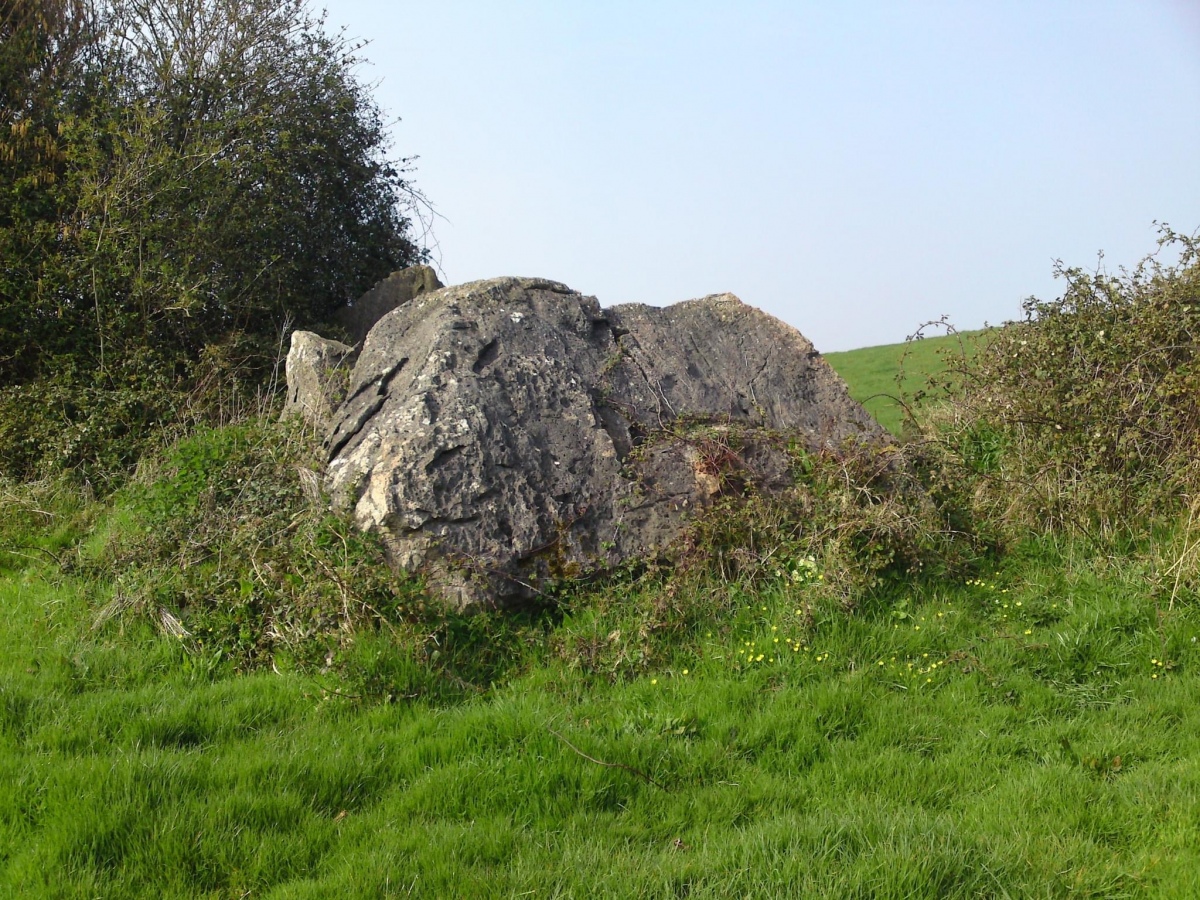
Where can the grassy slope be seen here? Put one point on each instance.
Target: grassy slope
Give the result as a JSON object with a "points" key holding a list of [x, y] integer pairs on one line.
{"points": [[962, 742], [871, 372]]}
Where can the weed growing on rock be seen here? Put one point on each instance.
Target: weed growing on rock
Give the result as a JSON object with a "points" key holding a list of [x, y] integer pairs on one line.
{"points": [[833, 531]]}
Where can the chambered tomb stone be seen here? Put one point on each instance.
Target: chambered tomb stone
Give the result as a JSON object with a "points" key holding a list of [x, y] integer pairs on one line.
{"points": [[503, 433]]}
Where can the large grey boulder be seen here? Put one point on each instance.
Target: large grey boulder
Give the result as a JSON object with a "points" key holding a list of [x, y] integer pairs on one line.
{"points": [[505, 432], [395, 290]]}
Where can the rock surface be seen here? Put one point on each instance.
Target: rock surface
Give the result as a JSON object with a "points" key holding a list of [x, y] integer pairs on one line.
{"points": [[395, 290], [318, 373], [505, 432]]}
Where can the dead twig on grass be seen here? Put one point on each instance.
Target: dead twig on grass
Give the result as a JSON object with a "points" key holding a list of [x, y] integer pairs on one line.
{"points": [[608, 765], [20, 552]]}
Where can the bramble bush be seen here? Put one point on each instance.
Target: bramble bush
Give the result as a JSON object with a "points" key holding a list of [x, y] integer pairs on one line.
{"points": [[854, 528], [221, 542], [1085, 415], [858, 510]]}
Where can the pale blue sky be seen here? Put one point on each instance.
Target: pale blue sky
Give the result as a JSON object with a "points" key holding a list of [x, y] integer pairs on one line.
{"points": [[853, 168]]}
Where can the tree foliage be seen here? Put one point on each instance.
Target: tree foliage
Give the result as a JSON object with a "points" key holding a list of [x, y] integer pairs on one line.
{"points": [[184, 178]]}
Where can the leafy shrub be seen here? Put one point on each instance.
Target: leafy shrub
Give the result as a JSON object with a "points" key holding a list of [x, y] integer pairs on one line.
{"points": [[74, 422], [1085, 415]]}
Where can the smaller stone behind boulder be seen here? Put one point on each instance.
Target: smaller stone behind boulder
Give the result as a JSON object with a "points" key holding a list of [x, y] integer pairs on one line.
{"points": [[395, 290], [318, 374]]}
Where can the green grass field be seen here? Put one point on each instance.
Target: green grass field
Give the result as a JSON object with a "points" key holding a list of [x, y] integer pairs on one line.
{"points": [[1032, 732], [872, 372]]}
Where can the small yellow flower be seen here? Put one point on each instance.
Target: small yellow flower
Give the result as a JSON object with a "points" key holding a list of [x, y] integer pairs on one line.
{"points": [[654, 681], [1028, 631], [685, 671]]}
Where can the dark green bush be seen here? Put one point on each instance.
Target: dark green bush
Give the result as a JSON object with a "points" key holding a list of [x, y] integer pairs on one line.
{"points": [[96, 428], [180, 184]]}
